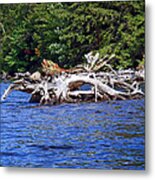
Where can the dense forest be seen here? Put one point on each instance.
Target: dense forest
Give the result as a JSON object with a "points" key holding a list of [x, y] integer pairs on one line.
{"points": [[64, 32]]}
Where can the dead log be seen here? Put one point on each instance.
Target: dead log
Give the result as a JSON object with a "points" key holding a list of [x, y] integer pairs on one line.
{"points": [[66, 86]]}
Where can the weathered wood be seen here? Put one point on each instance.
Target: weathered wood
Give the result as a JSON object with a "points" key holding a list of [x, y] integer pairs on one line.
{"points": [[65, 86]]}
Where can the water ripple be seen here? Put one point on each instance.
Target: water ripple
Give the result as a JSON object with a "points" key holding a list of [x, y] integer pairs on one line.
{"points": [[105, 135]]}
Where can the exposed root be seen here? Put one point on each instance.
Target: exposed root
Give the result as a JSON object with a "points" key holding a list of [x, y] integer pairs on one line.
{"points": [[66, 86]]}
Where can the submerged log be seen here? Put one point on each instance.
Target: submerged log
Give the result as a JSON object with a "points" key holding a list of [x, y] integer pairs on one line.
{"points": [[66, 86]]}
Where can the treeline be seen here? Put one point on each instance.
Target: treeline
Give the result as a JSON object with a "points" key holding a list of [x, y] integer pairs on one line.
{"points": [[64, 32]]}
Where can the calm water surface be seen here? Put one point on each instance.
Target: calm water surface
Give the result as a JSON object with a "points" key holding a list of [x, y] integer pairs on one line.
{"points": [[105, 135]]}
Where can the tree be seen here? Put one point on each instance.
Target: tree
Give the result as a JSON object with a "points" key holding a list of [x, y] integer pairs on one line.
{"points": [[64, 32], [107, 27]]}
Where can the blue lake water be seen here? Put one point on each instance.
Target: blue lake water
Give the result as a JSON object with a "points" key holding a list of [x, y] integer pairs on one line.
{"points": [[103, 135]]}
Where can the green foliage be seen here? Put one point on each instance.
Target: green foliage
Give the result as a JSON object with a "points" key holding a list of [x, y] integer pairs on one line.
{"points": [[64, 32]]}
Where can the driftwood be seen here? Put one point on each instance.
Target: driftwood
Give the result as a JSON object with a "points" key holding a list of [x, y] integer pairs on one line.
{"points": [[104, 82]]}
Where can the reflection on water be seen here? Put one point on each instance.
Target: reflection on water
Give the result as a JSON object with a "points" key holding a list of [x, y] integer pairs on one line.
{"points": [[105, 135]]}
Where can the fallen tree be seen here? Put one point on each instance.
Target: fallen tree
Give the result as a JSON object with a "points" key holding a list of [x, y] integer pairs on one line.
{"points": [[57, 85]]}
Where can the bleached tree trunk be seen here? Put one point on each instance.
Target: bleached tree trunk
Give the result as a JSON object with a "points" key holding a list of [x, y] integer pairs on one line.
{"points": [[65, 87]]}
